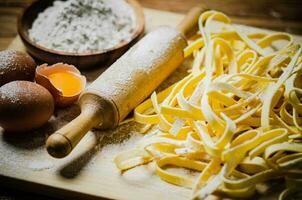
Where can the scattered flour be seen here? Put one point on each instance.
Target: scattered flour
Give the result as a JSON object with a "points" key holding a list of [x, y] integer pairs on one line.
{"points": [[28, 150], [78, 26], [110, 151], [40, 165]]}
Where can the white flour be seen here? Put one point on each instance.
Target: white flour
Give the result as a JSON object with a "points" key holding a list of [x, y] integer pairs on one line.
{"points": [[78, 26]]}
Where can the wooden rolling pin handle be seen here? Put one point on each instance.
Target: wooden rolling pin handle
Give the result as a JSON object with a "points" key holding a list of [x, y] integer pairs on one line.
{"points": [[188, 25], [61, 143]]}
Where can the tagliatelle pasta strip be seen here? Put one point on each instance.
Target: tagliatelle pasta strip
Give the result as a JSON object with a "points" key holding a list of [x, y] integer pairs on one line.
{"points": [[235, 119]]}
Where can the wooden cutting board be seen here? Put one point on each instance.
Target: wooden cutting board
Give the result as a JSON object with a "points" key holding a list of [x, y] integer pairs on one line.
{"points": [[89, 172]]}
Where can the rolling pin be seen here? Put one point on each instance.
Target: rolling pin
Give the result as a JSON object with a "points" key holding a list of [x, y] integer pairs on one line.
{"points": [[126, 83]]}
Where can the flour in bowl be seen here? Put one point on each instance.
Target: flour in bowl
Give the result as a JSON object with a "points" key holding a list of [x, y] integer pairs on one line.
{"points": [[84, 26]]}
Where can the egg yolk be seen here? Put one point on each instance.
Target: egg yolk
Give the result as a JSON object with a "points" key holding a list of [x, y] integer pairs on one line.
{"points": [[67, 82]]}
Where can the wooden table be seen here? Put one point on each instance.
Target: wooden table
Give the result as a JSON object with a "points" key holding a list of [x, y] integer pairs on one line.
{"points": [[273, 14], [259, 13]]}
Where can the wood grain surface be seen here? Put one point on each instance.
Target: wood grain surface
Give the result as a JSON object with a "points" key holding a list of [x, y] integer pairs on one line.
{"points": [[281, 15], [252, 12], [89, 172]]}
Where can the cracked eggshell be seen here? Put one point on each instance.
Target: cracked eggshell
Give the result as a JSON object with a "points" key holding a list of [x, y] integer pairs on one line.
{"points": [[42, 77]]}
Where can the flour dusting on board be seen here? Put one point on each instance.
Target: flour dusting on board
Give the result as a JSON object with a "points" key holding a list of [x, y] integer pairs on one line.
{"points": [[79, 26], [28, 150]]}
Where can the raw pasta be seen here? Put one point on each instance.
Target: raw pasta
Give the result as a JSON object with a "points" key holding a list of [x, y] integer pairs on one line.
{"points": [[235, 118]]}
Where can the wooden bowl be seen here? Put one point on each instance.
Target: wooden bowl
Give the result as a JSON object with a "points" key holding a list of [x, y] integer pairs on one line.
{"points": [[80, 60]]}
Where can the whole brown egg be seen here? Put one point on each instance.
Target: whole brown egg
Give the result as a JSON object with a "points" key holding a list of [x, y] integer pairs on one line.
{"points": [[16, 65], [24, 106]]}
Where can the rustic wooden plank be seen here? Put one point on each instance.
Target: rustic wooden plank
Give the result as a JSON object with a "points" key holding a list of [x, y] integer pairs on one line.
{"points": [[236, 7], [255, 12], [89, 171], [249, 8], [17, 3], [232, 7], [8, 26], [290, 26], [5, 42], [10, 11]]}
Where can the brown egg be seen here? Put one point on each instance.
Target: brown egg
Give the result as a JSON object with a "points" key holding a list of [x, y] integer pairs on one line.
{"points": [[24, 106], [16, 65]]}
